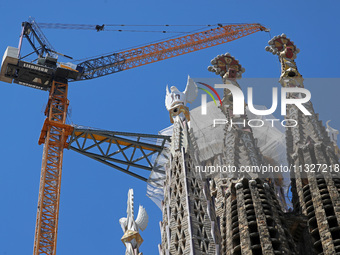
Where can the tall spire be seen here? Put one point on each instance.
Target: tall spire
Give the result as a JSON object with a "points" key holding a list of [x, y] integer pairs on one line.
{"points": [[310, 129], [249, 213], [315, 192], [189, 224], [240, 145]]}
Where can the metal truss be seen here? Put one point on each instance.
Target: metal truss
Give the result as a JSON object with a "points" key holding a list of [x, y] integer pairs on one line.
{"points": [[119, 150], [54, 136], [36, 39], [151, 53]]}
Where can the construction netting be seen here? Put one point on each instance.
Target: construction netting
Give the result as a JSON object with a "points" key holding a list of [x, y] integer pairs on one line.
{"points": [[208, 139]]}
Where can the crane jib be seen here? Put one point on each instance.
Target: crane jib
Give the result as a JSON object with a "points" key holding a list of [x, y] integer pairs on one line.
{"points": [[35, 75], [125, 60], [115, 60]]}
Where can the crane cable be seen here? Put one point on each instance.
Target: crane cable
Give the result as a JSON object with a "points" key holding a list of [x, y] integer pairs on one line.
{"points": [[132, 47], [99, 28], [152, 42], [103, 27]]}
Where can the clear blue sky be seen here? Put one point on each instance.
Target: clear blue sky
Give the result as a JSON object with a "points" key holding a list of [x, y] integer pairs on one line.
{"points": [[93, 196]]}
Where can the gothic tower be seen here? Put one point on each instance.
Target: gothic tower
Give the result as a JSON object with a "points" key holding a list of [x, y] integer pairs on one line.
{"points": [[251, 218], [315, 179], [189, 223]]}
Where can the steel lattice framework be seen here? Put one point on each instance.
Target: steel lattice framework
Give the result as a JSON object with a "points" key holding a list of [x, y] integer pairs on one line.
{"points": [[119, 150], [167, 49], [54, 136]]}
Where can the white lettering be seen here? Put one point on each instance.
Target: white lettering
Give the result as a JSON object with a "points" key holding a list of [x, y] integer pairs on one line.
{"points": [[220, 122], [290, 120], [297, 101], [238, 100], [37, 68], [262, 112], [255, 120], [252, 122]]}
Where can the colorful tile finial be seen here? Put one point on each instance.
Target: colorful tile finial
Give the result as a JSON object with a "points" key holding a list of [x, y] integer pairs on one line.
{"points": [[282, 46], [226, 66]]}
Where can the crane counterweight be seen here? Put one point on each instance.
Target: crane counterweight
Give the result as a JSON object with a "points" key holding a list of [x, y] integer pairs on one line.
{"points": [[35, 75]]}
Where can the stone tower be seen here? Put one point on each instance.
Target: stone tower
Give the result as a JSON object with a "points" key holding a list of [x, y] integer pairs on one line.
{"points": [[315, 193], [250, 216], [189, 223]]}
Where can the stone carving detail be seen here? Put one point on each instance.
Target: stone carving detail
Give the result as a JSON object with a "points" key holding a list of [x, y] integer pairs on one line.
{"points": [[175, 101], [315, 193], [249, 214], [131, 238], [189, 223]]}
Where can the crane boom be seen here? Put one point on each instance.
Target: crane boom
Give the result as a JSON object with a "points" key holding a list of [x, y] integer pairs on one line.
{"points": [[41, 74], [151, 53]]}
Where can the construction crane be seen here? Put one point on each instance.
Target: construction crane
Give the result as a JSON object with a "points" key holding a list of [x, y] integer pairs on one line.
{"points": [[47, 74]]}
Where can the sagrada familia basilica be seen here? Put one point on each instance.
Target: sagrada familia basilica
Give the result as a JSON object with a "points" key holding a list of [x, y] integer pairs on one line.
{"points": [[242, 213]]}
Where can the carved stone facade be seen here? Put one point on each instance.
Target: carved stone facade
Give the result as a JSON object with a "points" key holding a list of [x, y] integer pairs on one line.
{"points": [[131, 226], [189, 223], [250, 216], [240, 213], [315, 193]]}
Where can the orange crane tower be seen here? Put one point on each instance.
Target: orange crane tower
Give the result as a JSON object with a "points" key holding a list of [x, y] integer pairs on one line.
{"points": [[47, 74]]}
